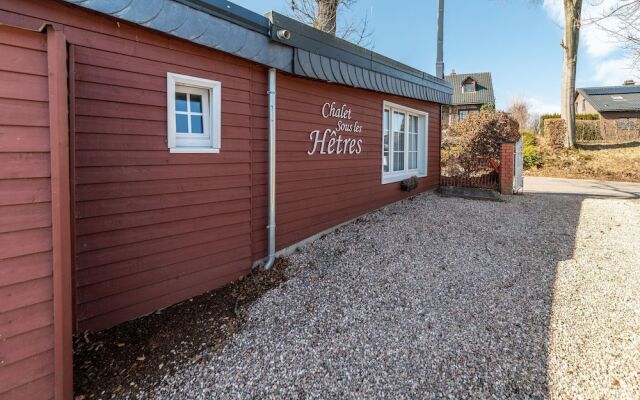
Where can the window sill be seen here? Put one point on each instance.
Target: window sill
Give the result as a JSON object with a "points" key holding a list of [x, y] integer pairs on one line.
{"points": [[397, 178], [193, 150]]}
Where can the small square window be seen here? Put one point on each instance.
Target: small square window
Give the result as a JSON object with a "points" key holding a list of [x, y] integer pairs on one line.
{"points": [[193, 114]]}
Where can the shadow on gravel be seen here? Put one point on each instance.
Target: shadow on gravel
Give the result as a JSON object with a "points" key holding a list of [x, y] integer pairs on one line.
{"points": [[140, 352], [503, 350]]}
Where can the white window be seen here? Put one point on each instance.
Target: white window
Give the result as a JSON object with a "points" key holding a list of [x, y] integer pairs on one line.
{"points": [[193, 114], [404, 143], [469, 87]]}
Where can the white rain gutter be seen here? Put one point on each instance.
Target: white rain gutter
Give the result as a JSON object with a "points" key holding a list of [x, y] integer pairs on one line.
{"points": [[271, 227]]}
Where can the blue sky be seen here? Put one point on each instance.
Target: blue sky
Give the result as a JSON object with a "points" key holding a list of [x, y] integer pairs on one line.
{"points": [[518, 41]]}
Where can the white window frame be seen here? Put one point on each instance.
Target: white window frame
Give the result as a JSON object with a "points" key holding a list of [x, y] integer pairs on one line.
{"points": [[423, 144], [209, 141]]}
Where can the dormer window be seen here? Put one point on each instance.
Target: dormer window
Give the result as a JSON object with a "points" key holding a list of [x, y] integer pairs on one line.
{"points": [[468, 85]]}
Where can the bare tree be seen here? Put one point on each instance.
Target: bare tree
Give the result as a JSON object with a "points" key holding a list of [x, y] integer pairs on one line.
{"points": [[622, 21], [572, 21], [323, 15], [519, 110]]}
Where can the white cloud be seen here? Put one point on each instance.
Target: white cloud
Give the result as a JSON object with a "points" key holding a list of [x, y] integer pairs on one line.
{"points": [[596, 41], [538, 106], [611, 68], [615, 71]]}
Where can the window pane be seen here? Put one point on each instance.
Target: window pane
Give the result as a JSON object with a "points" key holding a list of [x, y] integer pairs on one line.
{"points": [[413, 160], [413, 123], [385, 120], [398, 161], [413, 142], [385, 150], [398, 141], [182, 123], [196, 124], [196, 103], [398, 122], [181, 101]]}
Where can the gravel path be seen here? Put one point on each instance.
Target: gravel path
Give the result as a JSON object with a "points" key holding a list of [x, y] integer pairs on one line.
{"points": [[444, 298]]}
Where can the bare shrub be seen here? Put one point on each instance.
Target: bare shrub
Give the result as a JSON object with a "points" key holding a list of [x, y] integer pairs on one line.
{"points": [[480, 134], [519, 110], [555, 132]]}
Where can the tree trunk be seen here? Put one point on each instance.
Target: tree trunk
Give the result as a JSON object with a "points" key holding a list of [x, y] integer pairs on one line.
{"points": [[572, 15], [326, 19]]}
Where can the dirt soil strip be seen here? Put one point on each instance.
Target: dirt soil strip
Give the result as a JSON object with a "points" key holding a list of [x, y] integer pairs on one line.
{"points": [[145, 349]]}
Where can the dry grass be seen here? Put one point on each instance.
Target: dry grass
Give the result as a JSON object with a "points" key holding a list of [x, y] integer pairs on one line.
{"points": [[613, 162]]}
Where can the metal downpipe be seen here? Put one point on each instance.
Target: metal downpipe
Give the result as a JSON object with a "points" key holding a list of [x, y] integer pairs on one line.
{"points": [[271, 227]]}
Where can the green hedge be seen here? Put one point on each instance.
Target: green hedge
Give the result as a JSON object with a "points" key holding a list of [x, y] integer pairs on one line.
{"points": [[588, 117], [588, 130], [579, 117]]}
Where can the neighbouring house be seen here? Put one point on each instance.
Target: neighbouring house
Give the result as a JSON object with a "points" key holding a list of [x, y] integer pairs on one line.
{"points": [[617, 106], [155, 150], [470, 92]]}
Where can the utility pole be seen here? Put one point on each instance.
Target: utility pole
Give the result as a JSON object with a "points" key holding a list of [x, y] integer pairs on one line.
{"points": [[440, 51]]}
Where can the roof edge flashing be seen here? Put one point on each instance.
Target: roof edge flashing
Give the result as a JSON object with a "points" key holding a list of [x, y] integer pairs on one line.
{"points": [[231, 12], [324, 44]]}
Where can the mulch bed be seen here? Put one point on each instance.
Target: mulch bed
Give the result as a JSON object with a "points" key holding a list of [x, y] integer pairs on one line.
{"points": [[142, 351]]}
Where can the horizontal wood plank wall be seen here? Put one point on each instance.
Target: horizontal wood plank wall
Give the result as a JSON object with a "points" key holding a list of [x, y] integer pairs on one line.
{"points": [[317, 192], [152, 228], [26, 309]]}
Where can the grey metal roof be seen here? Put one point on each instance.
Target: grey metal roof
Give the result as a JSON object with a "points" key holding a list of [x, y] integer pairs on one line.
{"points": [[613, 98], [202, 22], [320, 55], [483, 94], [225, 26]]}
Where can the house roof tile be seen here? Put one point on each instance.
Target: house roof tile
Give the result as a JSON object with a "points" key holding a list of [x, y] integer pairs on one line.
{"points": [[613, 98], [483, 94]]}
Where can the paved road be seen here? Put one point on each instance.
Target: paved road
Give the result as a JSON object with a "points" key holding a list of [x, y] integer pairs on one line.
{"points": [[585, 187]]}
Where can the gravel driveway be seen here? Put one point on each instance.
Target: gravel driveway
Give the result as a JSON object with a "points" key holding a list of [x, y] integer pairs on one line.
{"points": [[535, 297]]}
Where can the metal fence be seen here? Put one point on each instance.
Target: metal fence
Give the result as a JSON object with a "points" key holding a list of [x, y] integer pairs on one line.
{"points": [[464, 171]]}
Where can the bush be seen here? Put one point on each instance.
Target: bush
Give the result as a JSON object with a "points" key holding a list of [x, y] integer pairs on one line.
{"points": [[555, 132], [529, 138], [588, 117], [480, 134], [531, 156], [488, 107], [544, 117], [588, 130]]}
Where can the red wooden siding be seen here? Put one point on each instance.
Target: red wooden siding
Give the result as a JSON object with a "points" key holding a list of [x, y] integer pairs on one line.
{"points": [[314, 193], [26, 291], [153, 228]]}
